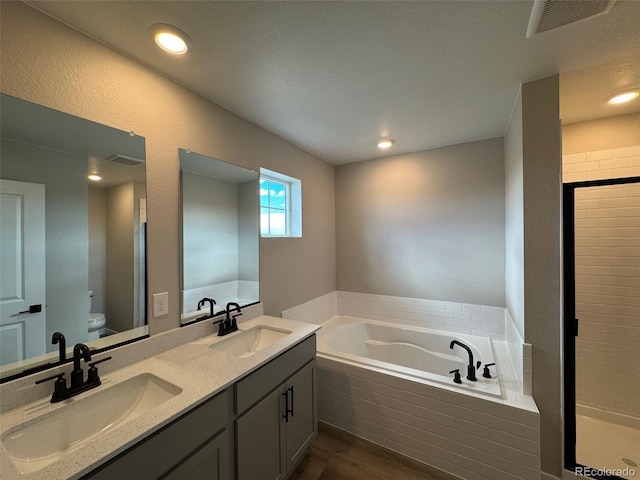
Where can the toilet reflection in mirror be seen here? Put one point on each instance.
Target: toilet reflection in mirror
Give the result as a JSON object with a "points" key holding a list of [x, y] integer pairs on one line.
{"points": [[220, 227], [72, 248]]}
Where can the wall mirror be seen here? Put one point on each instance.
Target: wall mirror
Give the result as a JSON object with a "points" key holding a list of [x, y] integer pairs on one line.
{"points": [[220, 225], [72, 249]]}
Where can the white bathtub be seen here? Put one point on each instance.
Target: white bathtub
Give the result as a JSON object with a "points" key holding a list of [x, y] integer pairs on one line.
{"points": [[419, 353]]}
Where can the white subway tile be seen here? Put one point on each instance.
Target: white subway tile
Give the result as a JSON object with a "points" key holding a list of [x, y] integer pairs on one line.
{"points": [[627, 151], [599, 155]]}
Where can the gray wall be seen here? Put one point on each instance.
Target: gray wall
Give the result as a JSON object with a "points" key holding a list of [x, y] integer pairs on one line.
{"points": [[248, 231], [533, 206], [66, 227], [514, 218], [425, 225], [98, 247], [210, 230], [541, 146], [72, 73]]}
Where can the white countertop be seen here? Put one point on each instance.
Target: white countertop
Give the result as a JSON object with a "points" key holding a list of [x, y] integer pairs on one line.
{"points": [[199, 370]]}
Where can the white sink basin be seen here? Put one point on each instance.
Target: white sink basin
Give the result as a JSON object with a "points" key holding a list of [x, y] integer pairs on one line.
{"points": [[250, 341], [42, 441]]}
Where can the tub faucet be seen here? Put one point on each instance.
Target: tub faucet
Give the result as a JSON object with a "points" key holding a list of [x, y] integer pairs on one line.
{"points": [[471, 368]]}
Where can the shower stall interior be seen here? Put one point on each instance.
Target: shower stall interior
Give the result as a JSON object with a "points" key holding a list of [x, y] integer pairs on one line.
{"points": [[601, 240]]}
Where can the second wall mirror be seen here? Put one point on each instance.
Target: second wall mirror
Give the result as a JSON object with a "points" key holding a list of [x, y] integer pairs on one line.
{"points": [[220, 228]]}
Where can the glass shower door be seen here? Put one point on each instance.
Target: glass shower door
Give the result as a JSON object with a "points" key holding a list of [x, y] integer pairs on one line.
{"points": [[602, 327]]}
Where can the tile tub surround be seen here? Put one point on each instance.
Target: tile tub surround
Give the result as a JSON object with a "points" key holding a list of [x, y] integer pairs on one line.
{"points": [[485, 321], [317, 310], [464, 433], [191, 365], [471, 437]]}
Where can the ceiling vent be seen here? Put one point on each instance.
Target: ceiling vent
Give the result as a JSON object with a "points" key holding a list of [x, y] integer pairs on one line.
{"points": [[123, 159], [550, 14]]}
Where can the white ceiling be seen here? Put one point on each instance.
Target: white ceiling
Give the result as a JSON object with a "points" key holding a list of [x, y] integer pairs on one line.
{"points": [[334, 76]]}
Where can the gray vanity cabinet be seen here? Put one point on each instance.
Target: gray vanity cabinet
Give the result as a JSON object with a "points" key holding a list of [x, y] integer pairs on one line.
{"points": [[274, 433], [195, 446], [257, 429]]}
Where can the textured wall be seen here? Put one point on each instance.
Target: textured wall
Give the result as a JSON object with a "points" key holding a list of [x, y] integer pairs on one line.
{"points": [[606, 133], [541, 158], [45, 62], [424, 225]]}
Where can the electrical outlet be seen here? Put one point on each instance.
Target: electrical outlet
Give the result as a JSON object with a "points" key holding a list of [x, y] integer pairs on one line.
{"points": [[160, 304]]}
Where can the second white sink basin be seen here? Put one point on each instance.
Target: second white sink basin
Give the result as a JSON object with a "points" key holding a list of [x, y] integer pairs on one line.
{"points": [[250, 341], [38, 443]]}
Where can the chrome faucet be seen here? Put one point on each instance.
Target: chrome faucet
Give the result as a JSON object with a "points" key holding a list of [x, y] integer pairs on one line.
{"points": [[471, 368]]}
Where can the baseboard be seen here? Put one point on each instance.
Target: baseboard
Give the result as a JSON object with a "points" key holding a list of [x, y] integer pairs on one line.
{"points": [[608, 416]]}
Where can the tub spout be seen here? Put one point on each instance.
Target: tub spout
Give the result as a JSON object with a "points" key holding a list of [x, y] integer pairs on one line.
{"points": [[471, 368]]}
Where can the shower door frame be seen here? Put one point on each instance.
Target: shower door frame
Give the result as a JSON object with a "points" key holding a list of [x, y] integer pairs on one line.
{"points": [[570, 323]]}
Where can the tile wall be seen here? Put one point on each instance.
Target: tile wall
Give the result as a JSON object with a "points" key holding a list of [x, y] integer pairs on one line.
{"points": [[607, 282], [470, 437]]}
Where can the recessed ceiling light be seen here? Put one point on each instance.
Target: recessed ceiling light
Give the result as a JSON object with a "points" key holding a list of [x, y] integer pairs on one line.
{"points": [[94, 177], [171, 39], [623, 97], [386, 143]]}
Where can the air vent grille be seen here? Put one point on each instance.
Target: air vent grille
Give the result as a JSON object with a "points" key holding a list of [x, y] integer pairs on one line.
{"points": [[550, 14]]}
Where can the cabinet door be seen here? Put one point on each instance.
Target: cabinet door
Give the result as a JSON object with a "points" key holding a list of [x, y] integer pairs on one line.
{"points": [[211, 461], [302, 425], [259, 436]]}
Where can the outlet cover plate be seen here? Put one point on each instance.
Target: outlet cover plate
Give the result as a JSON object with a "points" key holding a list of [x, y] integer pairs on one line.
{"points": [[160, 304]]}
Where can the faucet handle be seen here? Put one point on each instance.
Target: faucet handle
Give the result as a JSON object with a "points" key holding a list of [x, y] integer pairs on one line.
{"points": [[59, 388], [486, 373], [456, 375], [92, 375], [478, 363]]}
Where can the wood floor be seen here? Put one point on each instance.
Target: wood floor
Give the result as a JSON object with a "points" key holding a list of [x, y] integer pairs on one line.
{"points": [[337, 455]]}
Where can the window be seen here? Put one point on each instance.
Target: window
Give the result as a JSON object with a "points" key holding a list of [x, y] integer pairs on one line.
{"points": [[280, 205]]}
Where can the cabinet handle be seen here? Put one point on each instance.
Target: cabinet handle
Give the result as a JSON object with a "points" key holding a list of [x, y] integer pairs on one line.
{"points": [[291, 390], [286, 406]]}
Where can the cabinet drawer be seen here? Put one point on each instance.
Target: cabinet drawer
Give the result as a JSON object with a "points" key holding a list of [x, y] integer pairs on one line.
{"points": [[257, 385], [156, 455]]}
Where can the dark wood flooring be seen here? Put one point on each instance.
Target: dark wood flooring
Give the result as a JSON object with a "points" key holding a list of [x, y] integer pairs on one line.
{"points": [[338, 455]]}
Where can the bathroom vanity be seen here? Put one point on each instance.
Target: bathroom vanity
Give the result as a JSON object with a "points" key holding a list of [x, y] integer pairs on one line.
{"points": [[242, 406]]}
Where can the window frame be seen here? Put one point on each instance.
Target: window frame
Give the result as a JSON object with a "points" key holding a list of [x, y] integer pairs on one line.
{"points": [[293, 204]]}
